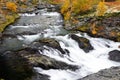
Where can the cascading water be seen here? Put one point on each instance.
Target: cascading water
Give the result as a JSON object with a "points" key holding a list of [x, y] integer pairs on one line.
{"points": [[87, 63]]}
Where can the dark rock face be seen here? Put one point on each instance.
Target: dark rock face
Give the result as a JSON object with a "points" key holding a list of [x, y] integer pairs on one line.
{"points": [[52, 43], [38, 60], [40, 77], [114, 55], [20, 65], [106, 74], [83, 42], [14, 67]]}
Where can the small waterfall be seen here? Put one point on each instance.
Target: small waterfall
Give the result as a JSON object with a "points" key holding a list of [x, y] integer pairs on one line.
{"points": [[88, 63]]}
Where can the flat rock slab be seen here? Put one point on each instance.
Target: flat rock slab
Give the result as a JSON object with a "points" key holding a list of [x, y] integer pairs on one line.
{"points": [[106, 74]]}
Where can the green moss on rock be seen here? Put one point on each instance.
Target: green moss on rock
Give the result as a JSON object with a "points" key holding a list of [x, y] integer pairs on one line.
{"points": [[9, 19]]}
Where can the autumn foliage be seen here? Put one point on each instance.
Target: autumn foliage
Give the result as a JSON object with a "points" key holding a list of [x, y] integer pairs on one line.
{"points": [[101, 9], [72, 7], [11, 6]]}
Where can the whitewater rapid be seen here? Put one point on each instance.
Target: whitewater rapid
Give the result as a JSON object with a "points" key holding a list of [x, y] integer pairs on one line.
{"points": [[87, 63]]}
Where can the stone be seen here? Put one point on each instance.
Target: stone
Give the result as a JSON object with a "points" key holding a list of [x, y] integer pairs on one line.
{"points": [[52, 43], [14, 67], [114, 55], [82, 42], [106, 74]]}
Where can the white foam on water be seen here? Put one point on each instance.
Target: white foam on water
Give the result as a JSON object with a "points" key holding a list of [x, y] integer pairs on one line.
{"points": [[27, 14], [89, 63], [51, 14]]}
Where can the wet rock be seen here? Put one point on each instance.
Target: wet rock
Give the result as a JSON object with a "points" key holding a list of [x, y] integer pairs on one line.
{"points": [[106, 74], [20, 65], [39, 76], [52, 43], [36, 59], [114, 55], [14, 67], [82, 42]]}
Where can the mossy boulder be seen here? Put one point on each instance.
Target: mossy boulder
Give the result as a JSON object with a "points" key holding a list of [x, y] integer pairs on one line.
{"points": [[9, 19]]}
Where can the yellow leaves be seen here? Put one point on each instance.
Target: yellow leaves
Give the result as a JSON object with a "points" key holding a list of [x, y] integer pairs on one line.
{"points": [[70, 7], [11, 6], [67, 15], [65, 9], [101, 9], [65, 6]]}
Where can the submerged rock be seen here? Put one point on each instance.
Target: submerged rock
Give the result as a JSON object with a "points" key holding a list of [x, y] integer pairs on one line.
{"points": [[114, 55], [82, 42], [106, 74]]}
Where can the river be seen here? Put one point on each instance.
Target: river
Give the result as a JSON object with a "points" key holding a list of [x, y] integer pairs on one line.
{"points": [[50, 25]]}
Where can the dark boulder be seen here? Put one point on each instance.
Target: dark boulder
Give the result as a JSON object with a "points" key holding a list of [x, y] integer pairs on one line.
{"points": [[14, 67], [82, 42], [52, 43], [106, 74], [19, 65], [39, 76], [38, 60], [114, 55]]}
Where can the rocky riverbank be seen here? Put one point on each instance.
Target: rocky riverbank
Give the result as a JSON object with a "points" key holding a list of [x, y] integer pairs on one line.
{"points": [[23, 43], [105, 27]]}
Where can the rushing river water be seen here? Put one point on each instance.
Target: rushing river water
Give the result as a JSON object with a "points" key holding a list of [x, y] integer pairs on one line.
{"points": [[88, 63]]}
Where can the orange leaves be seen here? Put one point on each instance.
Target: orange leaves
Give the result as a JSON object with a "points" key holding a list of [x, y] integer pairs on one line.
{"points": [[94, 29], [67, 15], [11, 6]]}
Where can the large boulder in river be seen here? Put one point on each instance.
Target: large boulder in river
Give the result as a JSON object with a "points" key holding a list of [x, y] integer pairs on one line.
{"points": [[52, 43], [19, 65], [82, 42], [106, 74], [114, 55], [36, 59]]}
